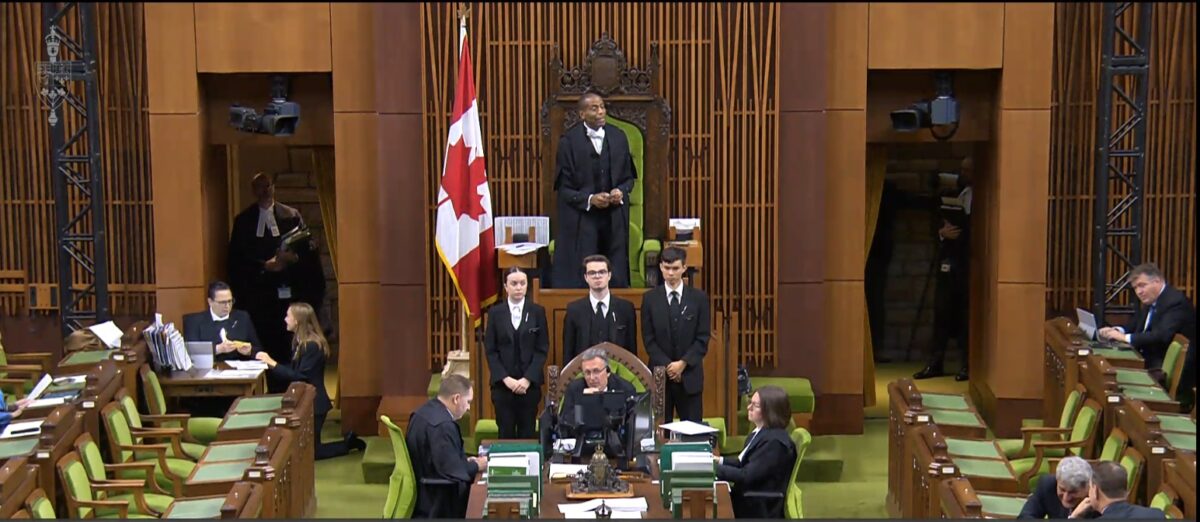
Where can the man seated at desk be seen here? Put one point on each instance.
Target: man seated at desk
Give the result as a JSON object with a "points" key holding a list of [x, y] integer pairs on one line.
{"points": [[1165, 311], [1057, 495], [596, 379], [444, 472], [231, 331]]}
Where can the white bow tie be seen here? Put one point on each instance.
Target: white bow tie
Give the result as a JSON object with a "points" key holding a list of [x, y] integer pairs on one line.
{"points": [[595, 133]]}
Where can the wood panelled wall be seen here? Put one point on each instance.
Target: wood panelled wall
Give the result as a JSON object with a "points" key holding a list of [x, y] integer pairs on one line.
{"points": [[27, 226], [719, 76], [1169, 211]]}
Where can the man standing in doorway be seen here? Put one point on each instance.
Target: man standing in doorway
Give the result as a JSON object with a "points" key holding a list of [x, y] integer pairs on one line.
{"points": [[950, 317]]}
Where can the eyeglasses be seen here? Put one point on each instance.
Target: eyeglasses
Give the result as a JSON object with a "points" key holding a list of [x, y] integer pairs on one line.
{"points": [[225, 303], [596, 273]]}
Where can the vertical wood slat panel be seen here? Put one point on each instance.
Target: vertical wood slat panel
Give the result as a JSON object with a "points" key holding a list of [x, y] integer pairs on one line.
{"points": [[1168, 234], [717, 66], [26, 197]]}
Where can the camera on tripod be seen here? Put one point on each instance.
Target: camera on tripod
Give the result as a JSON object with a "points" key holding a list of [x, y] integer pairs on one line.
{"points": [[279, 118]]}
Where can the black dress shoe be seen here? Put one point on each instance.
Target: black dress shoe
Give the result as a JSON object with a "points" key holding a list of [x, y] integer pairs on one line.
{"points": [[929, 372], [355, 443], [962, 375]]}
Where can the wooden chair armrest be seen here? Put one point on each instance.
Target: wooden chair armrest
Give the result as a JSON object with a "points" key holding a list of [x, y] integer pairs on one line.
{"points": [[139, 496], [121, 505], [1040, 456], [160, 453], [146, 467], [1029, 432], [166, 417], [174, 435], [43, 360], [1042, 429], [21, 368], [117, 484]]}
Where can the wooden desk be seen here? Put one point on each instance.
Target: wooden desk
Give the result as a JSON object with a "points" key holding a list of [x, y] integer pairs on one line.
{"points": [[243, 501], [253, 417], [555, 494], [18, 479], [959, 500], [1179, 474], [197, 383], [933, 460], [276, 469], [1158, 437], [1065, 350], [1113, 386], [129, 357], [60, 428], [104, 379], [219, 468]]}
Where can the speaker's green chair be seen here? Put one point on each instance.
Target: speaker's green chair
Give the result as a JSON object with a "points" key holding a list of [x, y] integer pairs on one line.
{"points": [[402, 485], [169, 472], [621, 363], [178, 447], [97, 474], [197, 430], [82, 499], [794, 506]]}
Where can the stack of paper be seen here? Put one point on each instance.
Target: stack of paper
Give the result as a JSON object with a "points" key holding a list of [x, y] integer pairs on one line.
{"points": [[566, 470], [513, 464], [233, 374], [617, 505], [688, 428], [109, 333], [247, 365], [22, 429], [166, 346], [692, 461]]}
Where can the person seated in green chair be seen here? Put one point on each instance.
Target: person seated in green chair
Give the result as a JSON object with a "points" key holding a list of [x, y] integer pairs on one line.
{"points": [[594, 176], [444, 472], [760, 475], [9, 411], [596, 379], [1057, 495]]}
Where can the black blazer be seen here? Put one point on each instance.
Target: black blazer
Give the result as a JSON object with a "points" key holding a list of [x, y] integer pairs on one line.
{"points": [[1173, 314], [199, 327], [692, 336], [519, 353], [308, 366], [436, 447], [765, 467], [249, 253], [575, 391], [577, 327], [1043, 502], [1124, 509]]}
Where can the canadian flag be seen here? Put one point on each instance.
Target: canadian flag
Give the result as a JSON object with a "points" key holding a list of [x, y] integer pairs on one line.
{"points": [[464, 237]]}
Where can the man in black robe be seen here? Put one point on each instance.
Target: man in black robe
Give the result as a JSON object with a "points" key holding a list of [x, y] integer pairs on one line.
{"points": [[594, 175], [443, 471], [267, 275]]}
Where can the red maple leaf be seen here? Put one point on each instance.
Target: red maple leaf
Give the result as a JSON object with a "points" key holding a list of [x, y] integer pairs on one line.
{"points": [[462, 181]]}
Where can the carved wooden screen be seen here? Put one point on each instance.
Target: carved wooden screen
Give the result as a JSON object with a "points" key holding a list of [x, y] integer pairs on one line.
{"points": [[1169, 226], [718, 76], [28, 253]]}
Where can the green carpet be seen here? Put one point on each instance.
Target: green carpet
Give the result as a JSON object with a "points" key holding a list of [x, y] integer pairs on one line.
{"points": [[341, 492]]}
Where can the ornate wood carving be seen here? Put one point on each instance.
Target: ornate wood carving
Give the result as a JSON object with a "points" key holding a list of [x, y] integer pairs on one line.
{"points": [[557, 380]]}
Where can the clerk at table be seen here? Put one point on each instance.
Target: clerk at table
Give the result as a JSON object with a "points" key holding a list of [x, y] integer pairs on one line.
{"points": [[240, 341]]}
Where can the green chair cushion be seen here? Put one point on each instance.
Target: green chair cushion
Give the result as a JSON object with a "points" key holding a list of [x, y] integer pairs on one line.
{"points": [[486, 429], [179, 467], [248, 420], [14, 447], [43, 509], [87, 357], [220, 471], [1032, 423], [1180, 423], [799, 391], [1022, 466], [1012, 447], [197, 508], [1161, 501], [1181, 441], [734, 444], [1005, 506], [259, 404], [192, 451], [131, 515], [156, 502], [238, 451], [955, 418], [983, 468], [719, 424], [944, 401], [972, 448], [203, 429]]}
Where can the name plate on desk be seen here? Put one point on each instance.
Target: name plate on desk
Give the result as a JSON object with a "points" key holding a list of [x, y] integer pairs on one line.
{"points": [[1083, 352], [280, 421], [87, 405], [118, 357], [254, 474], [1113, 399], [947, 470], [922, 418], [43, 455], [1158, 450]]}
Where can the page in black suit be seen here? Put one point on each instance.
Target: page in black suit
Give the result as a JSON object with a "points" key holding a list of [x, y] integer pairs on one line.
{"points": [[520, 354], [689, 343], [577, 326]]}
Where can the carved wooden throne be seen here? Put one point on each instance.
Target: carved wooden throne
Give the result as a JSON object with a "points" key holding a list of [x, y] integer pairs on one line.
{"points": [[630, 95]]}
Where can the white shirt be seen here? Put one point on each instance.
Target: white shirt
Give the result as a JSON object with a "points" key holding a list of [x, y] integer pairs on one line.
{"points": [[965, 198], [597, 137], [217, 317], [515, 309], [678, 289], [607, 297], [266, 220]]}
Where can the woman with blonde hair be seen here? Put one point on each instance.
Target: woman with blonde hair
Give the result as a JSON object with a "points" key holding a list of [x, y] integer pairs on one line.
{"points": [[309, 351]]}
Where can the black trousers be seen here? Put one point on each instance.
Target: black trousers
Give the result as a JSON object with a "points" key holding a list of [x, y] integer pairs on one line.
{"points": [[515, 414], [950, 317], [680, 404], [326, 450]]}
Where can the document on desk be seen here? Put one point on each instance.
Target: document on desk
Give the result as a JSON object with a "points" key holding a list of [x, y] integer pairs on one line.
{"points": [[108, 332], [566, 469], [688, 428], [247, 365], [233, 374], [42, 403], [635, 504], [22, 429], [615, 514]]}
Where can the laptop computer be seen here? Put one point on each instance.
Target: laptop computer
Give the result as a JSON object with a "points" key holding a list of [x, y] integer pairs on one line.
{"points": [[201, 353], [1087, 322]]}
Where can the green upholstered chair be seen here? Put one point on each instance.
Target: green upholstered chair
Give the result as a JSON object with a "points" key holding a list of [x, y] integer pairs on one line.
{"points": [[97, 473], [1114, 445], [794, 507], [1013, 447], [40, 507], [800, 394], [1134, 464], [1037, 457], [197, 430], [19, 372], [1172, 367], [1166, 501], [641, 249], [178, 447], [402, 485], [82, 496], [169, 472]]}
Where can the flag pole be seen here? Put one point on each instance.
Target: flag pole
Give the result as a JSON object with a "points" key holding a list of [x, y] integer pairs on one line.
{"points": [[464, 11]]}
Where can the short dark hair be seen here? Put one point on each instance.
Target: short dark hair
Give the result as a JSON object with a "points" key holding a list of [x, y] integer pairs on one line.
{"points": [[452, 385], [1111, 479], [1147, 269], [597, 258], [775, 408], [672, 254], [217, 286], [581, 104], [514, 270]]}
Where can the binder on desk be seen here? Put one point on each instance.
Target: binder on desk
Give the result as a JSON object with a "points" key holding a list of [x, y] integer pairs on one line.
{"points": [[674, 479], [515, 475]]}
